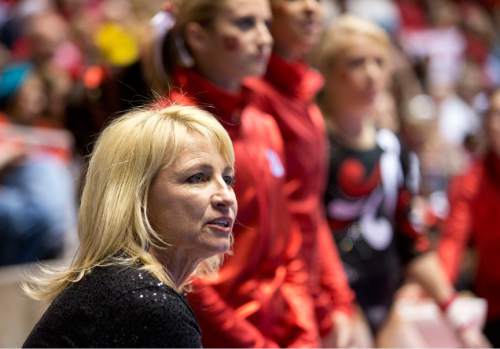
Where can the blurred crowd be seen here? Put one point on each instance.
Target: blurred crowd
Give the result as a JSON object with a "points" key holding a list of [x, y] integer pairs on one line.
{"points": [[68, 67]]}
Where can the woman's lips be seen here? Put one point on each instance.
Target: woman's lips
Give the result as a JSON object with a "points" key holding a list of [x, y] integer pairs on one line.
{"points": [[221, 224]]}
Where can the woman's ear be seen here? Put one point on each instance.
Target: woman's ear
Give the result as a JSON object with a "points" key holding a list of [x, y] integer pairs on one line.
{"points": [[196, 37]]}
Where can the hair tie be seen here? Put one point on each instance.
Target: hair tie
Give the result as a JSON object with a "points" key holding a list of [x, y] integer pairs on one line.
{"points": [[162, 23]]}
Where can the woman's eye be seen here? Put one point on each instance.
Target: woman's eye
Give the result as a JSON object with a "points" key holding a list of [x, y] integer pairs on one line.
{"points": [[356, 62], [197, 178], [380, 62], [230, 180], [245, 23]]}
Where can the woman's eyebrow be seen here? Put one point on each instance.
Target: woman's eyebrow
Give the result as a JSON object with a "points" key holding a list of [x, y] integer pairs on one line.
{"points": [[204, 166]]}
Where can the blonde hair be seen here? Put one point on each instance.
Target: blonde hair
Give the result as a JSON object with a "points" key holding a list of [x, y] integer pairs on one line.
{"points": [[339, 36], [172, 46], [113, 226]]}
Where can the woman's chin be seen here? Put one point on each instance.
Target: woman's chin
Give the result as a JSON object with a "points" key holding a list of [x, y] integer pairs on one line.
{"points": [[220, 246], [257, 68]]}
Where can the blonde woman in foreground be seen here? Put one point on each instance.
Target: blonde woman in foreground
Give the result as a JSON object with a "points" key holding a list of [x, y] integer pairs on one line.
{"points": [[157, 208]]}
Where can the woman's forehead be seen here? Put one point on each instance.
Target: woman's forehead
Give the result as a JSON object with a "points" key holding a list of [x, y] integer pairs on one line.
{"points": [[246, 8], [197, 145], [362, 40]]}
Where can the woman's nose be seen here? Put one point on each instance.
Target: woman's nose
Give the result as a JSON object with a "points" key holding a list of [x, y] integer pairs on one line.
{"points": [[311, 6], [223, 197], [264, 35], [372, 70]]}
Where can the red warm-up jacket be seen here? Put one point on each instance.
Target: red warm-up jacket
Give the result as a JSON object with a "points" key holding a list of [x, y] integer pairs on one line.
{"points": [[287, 93], [260, 297], [475, 216]]}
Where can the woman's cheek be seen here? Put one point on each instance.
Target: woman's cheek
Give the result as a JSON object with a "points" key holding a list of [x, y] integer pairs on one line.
{"points": [[231, 43]]}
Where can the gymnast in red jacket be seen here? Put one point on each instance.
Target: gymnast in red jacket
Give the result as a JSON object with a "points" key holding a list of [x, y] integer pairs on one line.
{"points": [[475, 216], [260, 297], [287, 92]]}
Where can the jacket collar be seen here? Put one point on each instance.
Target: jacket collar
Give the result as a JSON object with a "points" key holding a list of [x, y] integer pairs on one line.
{"points": [[295, 79], [225, 105]]}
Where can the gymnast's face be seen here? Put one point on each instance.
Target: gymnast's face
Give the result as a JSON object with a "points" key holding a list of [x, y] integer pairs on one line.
{"points": [[237, 44], [360, 72], [30, 101], [296, 27], [192, 204]]}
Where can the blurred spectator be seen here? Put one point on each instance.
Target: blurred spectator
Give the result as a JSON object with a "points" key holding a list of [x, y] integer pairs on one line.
{"points": [[443, 130], [57, 59], [383, 12], [45, 33], [36, 194], [474, 217], [114, 36], [442, 45]]}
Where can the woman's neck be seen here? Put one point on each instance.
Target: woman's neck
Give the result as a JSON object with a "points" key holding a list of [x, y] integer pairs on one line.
{"points": [[226, 83], [355, 129], [180, 264], [287, 53]]}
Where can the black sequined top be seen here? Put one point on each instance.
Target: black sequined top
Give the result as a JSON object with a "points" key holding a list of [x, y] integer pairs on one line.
{"points": [[117, 306]]}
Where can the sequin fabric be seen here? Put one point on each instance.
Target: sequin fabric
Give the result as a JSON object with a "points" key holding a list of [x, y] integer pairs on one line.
{"points": [[117, 306]]}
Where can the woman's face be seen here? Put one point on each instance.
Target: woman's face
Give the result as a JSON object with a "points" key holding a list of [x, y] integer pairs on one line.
{"points": [[238, 43], [493, 124], [296, 27], [191, 203], [360, 72], [30, 101]]}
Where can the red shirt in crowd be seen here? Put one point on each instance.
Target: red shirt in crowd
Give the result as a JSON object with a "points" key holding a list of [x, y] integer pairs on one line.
{"points": [[287, 93], [475, 216], [260, 297]]}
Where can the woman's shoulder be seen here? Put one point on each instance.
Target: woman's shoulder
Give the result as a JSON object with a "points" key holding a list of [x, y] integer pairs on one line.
{"points": [[132, 285], [105, 288], [155, 313], [159, 314], [119, 306], [468, 183], [115, 283]]}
